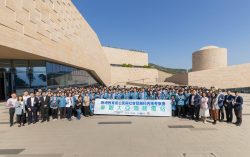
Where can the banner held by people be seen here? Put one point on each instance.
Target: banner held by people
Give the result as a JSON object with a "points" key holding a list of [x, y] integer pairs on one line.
{"points": [[161, 108]]}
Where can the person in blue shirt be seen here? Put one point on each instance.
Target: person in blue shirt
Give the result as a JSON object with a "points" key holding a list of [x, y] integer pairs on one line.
{"points": [[97, 95], [92, 106], [151, 95], [126, 95], [122, 94], [118, 96], [134, 95], [106, 95], [62, 106], [173, 103], [166, 95], [109, 95], [143, 95], [180, 99], [187, 94], [162, 95], [102, 95]]}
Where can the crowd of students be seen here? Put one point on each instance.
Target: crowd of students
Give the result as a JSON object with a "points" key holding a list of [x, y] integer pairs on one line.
{"points": [[71, 103]]}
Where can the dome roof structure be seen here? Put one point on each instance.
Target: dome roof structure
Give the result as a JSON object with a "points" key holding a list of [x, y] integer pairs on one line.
{"points": [[209, 47]]}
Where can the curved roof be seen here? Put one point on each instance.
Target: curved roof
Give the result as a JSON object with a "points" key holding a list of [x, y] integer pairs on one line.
{"points": [[209, 47]]}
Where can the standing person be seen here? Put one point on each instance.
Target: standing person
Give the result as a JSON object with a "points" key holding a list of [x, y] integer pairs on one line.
{"points": [[194, 105], [62, 106], [38, 95], [25, 97], [220, 100], [143, 94], [238, 103], [79, 107], [69, 104], [54, 103], [45, 100], [187, 95], [204, 111], [126, 95], [173, 104], [32, 106], [92, 107], [11, 104], [210, 99], [180, 98], [134, 94], [215, 107], [229, 106], [20, 111], [151, 95], [86, 103]]}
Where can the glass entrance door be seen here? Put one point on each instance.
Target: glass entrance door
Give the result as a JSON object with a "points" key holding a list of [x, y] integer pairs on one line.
{"points": [[2, 86], [5, 85]]}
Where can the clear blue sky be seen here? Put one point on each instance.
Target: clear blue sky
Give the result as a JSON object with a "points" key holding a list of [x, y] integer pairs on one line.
{"points": [[170, 30]]}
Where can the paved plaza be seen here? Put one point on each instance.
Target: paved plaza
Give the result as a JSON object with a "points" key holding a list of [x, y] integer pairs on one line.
{"points": [[126, 136]]}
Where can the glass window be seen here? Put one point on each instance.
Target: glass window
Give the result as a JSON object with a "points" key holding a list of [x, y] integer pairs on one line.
{"points": [[5, 65], [22, 80], [38, 80], [60, 75], [37, 63], [20, 65]]}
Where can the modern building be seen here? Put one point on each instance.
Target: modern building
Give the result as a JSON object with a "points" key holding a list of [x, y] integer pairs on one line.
{"points": [[210, 69], [45, 43], [131, 67], [48, 44]]}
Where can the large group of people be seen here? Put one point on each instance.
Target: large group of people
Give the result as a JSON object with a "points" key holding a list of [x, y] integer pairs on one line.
{"points": [[72, 103]]}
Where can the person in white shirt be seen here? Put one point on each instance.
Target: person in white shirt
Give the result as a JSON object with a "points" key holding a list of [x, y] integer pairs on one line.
{"points": [[204, 111], [32, 106], [11, 104], [69, 105]]}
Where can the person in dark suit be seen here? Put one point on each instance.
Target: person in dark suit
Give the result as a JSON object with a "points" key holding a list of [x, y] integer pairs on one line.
{"points": [[238, 103], [220, 101], [229, 98], [194, 105], [32, 106], [44, 102]]}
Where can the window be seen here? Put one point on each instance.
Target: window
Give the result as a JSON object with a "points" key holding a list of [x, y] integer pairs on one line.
{"points": [[5, 65], [60, 75]]}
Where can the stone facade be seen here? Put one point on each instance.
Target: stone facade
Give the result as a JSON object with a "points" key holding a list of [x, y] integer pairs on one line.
{"points": [[210, 57], [210, 70], [51, 30], [236, 76], [138, 74], [123, 75], [121, 56]]}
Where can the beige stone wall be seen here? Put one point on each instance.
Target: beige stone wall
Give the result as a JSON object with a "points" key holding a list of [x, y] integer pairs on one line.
{"points": [[122, 75], [181, 79], [121, 56], [162, 76], [230, 77], [53, 30], [209, 58]]}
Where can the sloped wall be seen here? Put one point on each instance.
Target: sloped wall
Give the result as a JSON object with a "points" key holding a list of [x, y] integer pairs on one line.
{"points": [[54, 30]]}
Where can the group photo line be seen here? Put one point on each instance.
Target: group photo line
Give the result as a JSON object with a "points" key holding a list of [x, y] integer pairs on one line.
{"points": [[194, 103]]}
